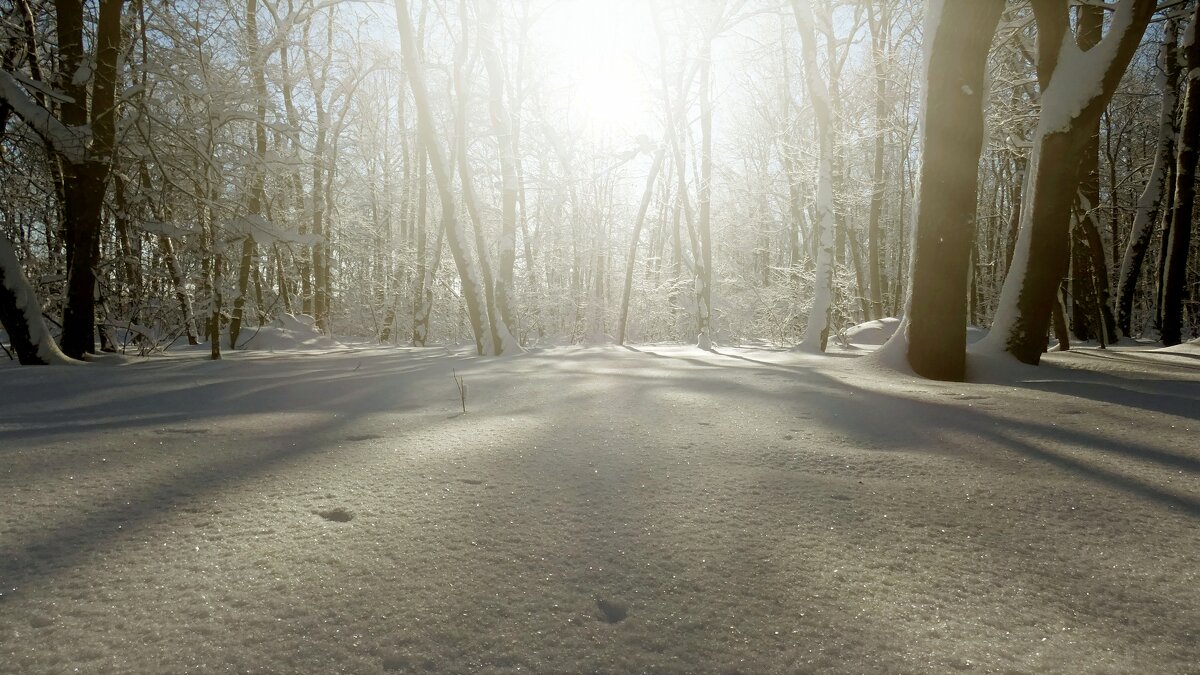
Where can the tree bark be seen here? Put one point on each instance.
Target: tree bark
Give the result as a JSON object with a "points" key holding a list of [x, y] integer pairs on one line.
{"points": [[945, 228], [1150, 202], [816, 333], [21, 313], [86, 178], [468, 275], [1175, 280], [1064, 127]]}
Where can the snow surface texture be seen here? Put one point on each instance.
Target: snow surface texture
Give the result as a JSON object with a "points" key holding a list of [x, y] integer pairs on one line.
{"points": [[658, 509]]}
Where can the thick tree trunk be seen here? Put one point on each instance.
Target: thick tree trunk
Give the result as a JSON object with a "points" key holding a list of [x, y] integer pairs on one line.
{"points": [[945, 228], [1064, 128], [86, 178]]}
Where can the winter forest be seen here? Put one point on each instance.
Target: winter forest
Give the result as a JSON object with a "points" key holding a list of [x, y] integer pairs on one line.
{"points": [[836, 335], [512, 172]]}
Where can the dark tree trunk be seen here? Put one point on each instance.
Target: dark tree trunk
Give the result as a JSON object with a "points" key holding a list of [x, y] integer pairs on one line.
{"points": [[1175, 279], [1150, 203], [85, 181], [949, 182]]}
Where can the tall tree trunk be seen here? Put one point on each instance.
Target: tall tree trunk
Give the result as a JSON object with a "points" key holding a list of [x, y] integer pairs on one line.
{"points": [[874, 228], [1093, 316], [817, 332], [257, 195], [1175, 280], [704, 270], [647, 195], [86, 177], [468, 275], [1150, 202], [510, 187], [952, 113]]}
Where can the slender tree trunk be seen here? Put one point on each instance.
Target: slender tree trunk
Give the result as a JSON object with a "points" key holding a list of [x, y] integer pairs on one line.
{"points": [[879, 178], [647, 195], [510, 187], [817, 332], [1150, 202], [704, 270], [258, 180], [1175, 282]]}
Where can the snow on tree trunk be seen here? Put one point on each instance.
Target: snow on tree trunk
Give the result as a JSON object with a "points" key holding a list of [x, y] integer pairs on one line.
{"points": [[1175, 280], [21, 314], [1080, 84], [816, 334], [1150, 202], [958, 37]]}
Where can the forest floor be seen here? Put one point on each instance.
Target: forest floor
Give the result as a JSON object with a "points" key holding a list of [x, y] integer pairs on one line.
{"points": [[650, 509]]}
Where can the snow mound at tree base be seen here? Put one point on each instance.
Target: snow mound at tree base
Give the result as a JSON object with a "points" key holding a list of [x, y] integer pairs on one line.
{"points": [[288, 332], [874, 332]]}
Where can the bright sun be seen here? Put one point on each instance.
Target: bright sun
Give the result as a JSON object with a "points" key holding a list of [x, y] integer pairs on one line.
{"points": [[601, 54]]}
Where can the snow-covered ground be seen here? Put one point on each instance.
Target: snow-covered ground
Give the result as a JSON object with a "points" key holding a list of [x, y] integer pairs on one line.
{"points": [[653, 509]]}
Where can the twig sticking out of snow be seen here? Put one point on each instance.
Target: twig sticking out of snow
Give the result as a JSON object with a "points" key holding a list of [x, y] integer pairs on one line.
{"points": [[462, 389]]}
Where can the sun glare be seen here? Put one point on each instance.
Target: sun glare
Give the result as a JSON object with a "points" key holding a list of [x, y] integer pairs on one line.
{"points": [[601, 55]]}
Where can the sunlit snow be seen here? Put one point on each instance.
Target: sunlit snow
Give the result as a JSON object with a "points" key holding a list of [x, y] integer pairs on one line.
{"points": [[652, 509]]}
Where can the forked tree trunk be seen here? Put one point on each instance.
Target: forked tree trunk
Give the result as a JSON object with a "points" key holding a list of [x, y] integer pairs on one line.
{"points": [[86, 177], [468, 275], [1080, 85]]}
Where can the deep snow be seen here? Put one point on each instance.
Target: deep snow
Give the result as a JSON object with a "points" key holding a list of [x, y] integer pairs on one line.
{"points": [[747, 511]]}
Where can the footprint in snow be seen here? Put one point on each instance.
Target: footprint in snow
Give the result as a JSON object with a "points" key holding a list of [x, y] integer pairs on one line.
{"points": [[338, 515], [612, 611]]}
